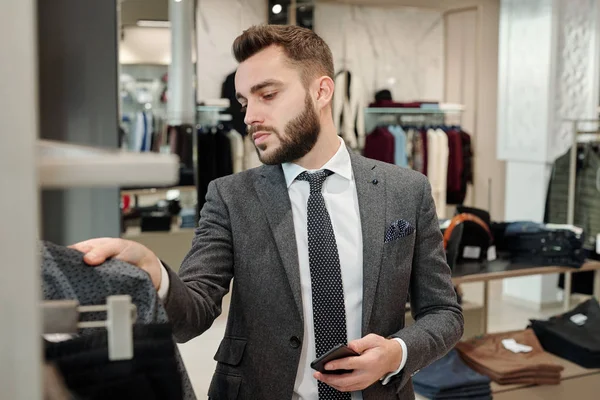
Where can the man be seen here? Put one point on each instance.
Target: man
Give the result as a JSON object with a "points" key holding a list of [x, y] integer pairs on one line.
{"points": [[325, 247]]}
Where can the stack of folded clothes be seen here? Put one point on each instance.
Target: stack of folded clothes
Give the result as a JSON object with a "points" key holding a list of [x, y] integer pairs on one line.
{"points": [[449, 378], [531, 243], [574, 336], [511, 358]]}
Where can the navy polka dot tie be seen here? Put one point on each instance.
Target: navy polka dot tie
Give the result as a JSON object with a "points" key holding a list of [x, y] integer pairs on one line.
{"points": [[329, 313]]}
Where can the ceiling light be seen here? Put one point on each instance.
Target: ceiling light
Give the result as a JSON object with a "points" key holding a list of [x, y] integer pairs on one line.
{"points": [[277, 8], [148, 23]]}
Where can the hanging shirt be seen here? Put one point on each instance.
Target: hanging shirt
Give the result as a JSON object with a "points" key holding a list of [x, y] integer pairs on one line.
{"points": [[400, 157], [437, 168], [443, 152]]}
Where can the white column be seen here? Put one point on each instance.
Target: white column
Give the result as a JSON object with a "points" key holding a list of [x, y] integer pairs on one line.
{"points": [[181, 102], [20, 326], [548, 71]]}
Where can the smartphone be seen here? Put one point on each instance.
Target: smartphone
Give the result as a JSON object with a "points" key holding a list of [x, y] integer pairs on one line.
{"points": [[340, 351]]}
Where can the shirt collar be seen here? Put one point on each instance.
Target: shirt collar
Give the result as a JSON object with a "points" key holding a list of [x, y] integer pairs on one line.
{"points": [[338, 164]]}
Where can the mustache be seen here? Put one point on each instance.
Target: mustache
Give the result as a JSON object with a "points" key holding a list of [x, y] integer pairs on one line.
{"points": [[252, 129]]}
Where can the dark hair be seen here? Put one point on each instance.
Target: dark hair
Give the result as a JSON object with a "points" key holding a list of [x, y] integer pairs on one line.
{"points": [[304, 48]]}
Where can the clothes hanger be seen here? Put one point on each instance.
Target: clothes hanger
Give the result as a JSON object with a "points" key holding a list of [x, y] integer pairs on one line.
{"points": [[62, 317]]}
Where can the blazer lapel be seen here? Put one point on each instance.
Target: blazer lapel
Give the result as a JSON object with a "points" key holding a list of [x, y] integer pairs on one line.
{"points": [[370, 189], [275, 200]]}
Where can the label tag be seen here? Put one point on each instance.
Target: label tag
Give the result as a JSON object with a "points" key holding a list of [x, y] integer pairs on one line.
{"points": [[579, 319], [512, 345], [472, 252], [491, 253]]}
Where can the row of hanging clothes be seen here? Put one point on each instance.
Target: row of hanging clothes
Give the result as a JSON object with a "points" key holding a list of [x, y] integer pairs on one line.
{"points": [[221, 150], [441, 152], [585, 190], [140, 131]]}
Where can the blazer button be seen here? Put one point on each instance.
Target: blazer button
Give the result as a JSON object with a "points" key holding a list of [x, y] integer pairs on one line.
{"points": [[295, 342]]}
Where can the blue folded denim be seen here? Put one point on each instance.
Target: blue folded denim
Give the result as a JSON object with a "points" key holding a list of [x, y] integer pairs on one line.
{"points": [[463, 393], [515, 228], [449, 372]]}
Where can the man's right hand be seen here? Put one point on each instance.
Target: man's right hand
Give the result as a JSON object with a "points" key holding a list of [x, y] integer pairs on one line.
{"points": [[96, 251]]}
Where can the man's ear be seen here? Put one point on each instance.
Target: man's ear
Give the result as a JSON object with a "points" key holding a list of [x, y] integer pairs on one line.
{"points": [[324, 90]]}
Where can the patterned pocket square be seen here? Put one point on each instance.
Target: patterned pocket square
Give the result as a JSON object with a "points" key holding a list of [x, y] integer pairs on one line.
{"points": [[398, 229]]}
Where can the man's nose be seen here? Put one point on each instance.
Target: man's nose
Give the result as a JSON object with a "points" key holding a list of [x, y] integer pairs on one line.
{"points": [[253, 116]]}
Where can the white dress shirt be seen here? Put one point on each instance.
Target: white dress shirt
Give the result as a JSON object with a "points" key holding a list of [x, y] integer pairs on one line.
{"points": [[341, 200]]}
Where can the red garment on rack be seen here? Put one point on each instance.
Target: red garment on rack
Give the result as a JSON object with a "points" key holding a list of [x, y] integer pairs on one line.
{"points": [[455, 161], [379, 145], [423, 133]]}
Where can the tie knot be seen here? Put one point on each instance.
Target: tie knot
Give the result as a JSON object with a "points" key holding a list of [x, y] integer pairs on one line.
{"points": [[315, 179]]}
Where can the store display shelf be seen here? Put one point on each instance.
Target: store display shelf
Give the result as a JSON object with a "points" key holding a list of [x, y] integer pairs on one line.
{"points": [[160, 191], [391, 110], [62, 165]]}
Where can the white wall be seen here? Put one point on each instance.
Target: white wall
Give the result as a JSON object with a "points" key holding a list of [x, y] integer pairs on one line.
{"points": [[218, 23], [145, 46], [397, 48]]}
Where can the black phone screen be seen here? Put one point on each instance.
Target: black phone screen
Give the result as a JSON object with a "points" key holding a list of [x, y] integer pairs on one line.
{"points": [[340, 351]]}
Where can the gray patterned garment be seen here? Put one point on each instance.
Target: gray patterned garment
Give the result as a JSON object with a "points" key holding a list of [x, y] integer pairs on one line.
{"points": [[66, 276]]}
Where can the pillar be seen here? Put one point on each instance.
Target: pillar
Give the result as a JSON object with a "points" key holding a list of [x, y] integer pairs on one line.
{"points": [[181, 102]]}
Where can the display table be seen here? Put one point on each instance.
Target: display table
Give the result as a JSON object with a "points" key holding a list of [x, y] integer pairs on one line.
{"points": [[501, 269], [585, 387], [571, 371], [577, 383]]}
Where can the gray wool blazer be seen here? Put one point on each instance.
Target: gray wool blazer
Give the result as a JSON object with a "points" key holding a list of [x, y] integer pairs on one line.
{"points": [[246, 232]]}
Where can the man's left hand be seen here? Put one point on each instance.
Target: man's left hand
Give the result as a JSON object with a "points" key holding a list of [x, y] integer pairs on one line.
{"points": [[378, 356]]}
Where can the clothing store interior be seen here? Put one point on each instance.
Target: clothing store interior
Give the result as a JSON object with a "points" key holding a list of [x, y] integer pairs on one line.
{"points": [[118, 115]]}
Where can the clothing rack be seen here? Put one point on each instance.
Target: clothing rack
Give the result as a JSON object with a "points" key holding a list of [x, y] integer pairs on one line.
{"points": [[375, 116], [212, 115], [579, 135]]}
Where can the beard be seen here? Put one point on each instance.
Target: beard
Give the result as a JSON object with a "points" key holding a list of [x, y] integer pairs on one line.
{"points": [[301, 135]]}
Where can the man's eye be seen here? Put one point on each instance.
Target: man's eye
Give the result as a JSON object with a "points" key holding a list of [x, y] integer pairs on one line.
{"points": [[269, 96]]}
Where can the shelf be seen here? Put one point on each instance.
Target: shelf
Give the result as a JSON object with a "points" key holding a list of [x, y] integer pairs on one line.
{"points": [[211, 108], [157, 190], [63, 165], [390, 110]]}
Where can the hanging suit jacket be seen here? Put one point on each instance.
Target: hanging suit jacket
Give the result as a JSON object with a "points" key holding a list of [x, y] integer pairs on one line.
{"points": [[246, 231]]}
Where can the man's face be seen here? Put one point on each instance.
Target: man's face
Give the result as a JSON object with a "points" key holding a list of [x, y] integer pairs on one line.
{"points": [[280, 113]]}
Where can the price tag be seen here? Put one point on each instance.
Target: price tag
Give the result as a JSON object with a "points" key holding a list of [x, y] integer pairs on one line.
{"points": [[578, 319], [472, 252], [512, 345], [491, 253]]}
